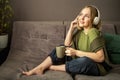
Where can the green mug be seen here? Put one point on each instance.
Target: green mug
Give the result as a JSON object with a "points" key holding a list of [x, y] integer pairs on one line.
{"points": [[60, 51]]}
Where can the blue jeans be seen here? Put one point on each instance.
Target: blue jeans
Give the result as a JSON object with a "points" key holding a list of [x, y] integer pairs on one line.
{"points": [[80, 65]]}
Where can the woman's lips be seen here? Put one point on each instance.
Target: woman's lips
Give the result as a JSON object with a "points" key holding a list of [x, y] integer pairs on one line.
{"points": [[81, 22]]}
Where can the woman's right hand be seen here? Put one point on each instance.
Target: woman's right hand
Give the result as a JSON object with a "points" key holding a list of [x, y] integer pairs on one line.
{"points": [[74, 23]]}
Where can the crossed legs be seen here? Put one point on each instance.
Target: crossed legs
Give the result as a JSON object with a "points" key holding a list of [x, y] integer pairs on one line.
{"points": [[46, 64]]}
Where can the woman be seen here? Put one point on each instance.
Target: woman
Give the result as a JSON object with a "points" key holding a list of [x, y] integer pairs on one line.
{"points": [[85, 51]]}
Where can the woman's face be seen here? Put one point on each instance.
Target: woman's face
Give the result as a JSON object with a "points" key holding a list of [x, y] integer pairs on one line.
{"points": [[84, 18]]}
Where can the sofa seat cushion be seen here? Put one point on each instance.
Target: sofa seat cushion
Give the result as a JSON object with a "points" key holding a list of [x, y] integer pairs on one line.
{"points": [[48, 75], [10, 67], [113, 47], [114, 74], [111, 76]]}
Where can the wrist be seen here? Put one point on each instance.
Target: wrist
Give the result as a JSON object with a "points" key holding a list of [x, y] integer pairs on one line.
{"points": [[71, 29], [75, 52]]}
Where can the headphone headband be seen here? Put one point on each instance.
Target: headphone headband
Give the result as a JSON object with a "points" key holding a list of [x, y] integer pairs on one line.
{"points": [[97, 18]]}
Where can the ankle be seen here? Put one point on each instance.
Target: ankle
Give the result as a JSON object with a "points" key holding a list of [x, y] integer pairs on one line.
{"points": [[39, 70], [52, 67]]}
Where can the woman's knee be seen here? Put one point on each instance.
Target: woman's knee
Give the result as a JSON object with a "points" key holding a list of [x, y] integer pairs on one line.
{"points": [[78, 63], [83, 60]]}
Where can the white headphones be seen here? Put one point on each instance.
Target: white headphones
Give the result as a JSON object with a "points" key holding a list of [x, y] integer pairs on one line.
{"points": [[97, 18]]}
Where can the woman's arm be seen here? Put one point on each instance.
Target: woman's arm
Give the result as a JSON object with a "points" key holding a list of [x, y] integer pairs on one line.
{"points": [[97, 57], [69, 35], [68, 38]]}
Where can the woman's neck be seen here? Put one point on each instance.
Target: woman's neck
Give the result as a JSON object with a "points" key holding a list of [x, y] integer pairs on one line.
{"points": [[86, 29]]}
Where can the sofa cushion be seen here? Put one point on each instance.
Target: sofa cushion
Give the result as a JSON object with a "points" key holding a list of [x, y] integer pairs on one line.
{"points": [[38, 34], [114, 74], [10, 67], [111, 76], [113, 47], [108, 28], [37, 38], [117, 26]]}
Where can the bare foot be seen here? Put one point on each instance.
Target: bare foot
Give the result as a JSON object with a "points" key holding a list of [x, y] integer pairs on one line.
{"points": [[27, 73], [34, 71]]}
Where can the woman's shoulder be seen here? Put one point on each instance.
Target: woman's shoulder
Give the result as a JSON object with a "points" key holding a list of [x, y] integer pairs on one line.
{"points": [[93, 33], [94, 30]]}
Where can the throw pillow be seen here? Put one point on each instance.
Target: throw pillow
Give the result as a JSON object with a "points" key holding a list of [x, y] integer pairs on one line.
{"points": [[113, 47]]}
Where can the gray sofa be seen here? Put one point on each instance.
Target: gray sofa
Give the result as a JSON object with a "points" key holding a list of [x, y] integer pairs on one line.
{"points": [[32, 41]]}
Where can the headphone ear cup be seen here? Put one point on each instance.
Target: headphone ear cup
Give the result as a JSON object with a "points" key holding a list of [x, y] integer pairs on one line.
{"points": [[96, 20]]}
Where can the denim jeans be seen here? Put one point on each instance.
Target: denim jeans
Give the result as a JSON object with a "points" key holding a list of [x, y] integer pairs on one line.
{"points": [[80, 65]]}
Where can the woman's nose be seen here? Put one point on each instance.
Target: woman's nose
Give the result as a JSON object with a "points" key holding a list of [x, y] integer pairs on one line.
{"points": [[82, 17]]}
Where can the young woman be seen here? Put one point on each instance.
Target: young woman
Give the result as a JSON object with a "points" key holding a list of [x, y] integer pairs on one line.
{"points": [[85, 51]]}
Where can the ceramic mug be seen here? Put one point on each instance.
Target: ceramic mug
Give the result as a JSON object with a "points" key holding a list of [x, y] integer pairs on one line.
{"points": [[60, 51]]}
